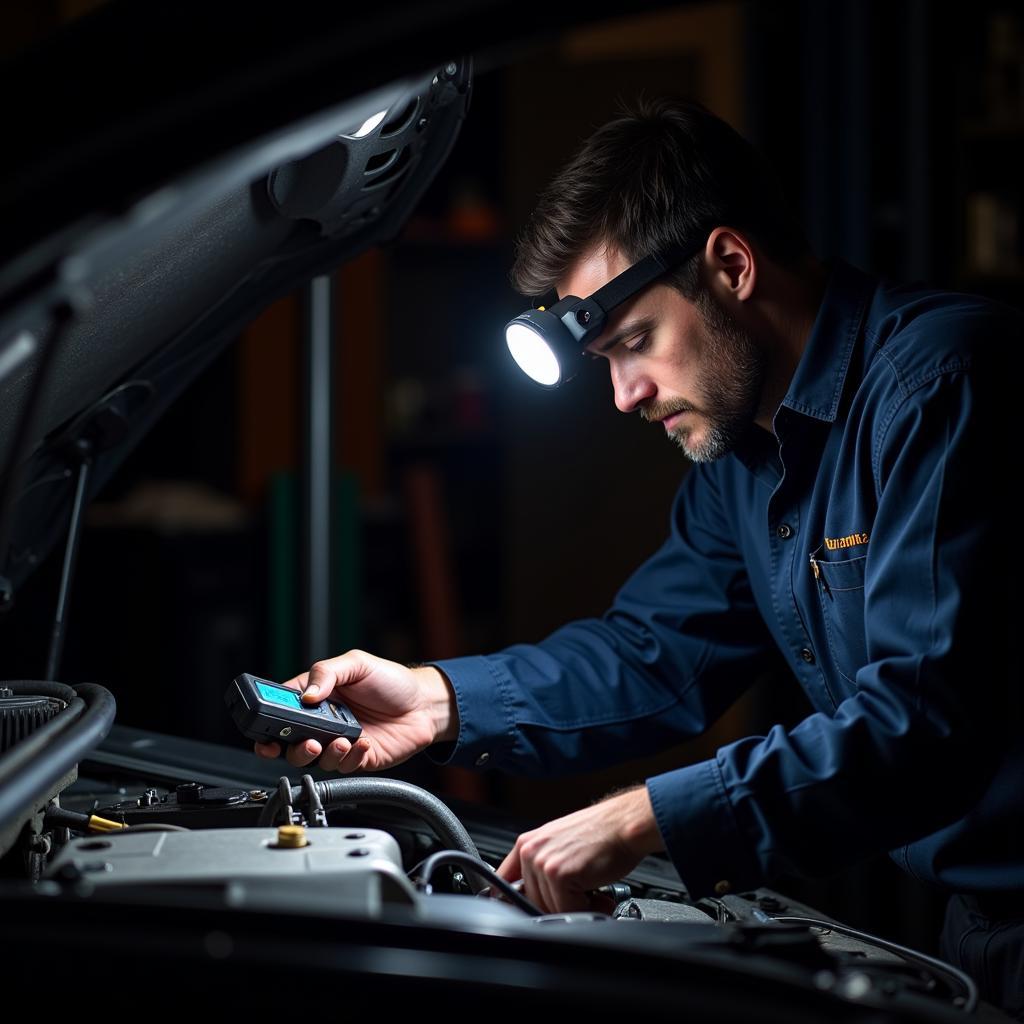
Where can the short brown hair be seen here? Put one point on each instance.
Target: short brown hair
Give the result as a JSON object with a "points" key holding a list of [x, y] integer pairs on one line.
{"points": [[660, 173]]}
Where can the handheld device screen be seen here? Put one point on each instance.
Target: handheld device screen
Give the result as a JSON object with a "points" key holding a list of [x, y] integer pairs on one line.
{"points": [[279, 695]]}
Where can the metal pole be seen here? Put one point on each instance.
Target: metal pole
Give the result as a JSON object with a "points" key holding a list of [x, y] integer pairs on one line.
{"points": [[68, 569], [317, 307]]}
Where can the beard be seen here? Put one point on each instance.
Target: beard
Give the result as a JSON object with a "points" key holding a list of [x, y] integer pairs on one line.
{"points": [[730, 380]]}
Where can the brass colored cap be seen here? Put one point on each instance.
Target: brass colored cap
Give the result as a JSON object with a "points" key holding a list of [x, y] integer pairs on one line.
{"points": [[291, 837]]}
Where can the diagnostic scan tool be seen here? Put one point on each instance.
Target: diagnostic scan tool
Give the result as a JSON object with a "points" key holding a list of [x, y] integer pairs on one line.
{"points": [[265, 711]]}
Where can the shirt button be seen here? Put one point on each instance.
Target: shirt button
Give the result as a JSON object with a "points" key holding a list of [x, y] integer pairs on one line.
{"points": [[483, 759], [808, 655], [722, 887], [785, 531]]}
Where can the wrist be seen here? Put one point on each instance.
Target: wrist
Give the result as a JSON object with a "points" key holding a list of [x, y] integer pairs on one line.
{"points": [[439, 697], [640, 827]]}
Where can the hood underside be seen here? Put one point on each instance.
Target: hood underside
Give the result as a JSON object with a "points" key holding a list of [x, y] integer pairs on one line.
{"points": [[176, 171]]}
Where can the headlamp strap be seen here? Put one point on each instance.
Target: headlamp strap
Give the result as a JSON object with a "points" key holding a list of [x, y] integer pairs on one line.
{"points": [[641, 274]]}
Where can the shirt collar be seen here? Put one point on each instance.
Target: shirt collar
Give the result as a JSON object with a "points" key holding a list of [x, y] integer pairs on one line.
{"points": [[817, 384]]}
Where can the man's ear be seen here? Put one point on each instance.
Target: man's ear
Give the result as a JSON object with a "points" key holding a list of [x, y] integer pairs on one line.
{"points": [[731, 264]]}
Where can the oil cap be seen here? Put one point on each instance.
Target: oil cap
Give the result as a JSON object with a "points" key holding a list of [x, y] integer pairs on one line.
{"points": [[291, 837]]}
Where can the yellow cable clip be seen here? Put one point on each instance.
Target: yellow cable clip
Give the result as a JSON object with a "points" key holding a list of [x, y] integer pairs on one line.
{"points": [[98, 824]]}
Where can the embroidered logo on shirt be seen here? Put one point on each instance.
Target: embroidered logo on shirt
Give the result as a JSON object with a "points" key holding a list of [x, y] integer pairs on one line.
{"points": [[849, 541]]}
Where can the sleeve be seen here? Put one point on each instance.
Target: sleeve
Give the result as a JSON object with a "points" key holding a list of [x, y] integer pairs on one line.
{"points": [[682, 639], [913, 747]]}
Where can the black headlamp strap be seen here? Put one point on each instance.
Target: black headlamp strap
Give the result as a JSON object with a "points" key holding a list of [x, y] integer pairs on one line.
{"points": [[641, 274]]}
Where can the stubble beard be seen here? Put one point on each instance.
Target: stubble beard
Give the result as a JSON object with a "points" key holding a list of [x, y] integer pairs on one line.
{"points": [[731, 380]]}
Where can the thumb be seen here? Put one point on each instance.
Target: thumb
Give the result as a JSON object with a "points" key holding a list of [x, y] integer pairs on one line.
{"points": [[326, 675]]}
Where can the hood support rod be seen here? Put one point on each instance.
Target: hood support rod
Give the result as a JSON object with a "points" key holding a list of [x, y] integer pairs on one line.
{"points": [[316, 563], [67, 572]]}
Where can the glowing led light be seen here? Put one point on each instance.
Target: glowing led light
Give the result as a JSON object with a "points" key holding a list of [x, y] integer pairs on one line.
{"points": [[533, 354]]}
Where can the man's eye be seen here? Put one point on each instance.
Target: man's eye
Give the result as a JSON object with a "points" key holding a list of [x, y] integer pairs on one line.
{"points": [[640, 345]]}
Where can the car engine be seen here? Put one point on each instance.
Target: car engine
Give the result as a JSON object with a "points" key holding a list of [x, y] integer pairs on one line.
{"points": [[142, 849]]}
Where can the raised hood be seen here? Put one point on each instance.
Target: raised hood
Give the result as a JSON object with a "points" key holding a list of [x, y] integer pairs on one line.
{"points": [[158, 203]]}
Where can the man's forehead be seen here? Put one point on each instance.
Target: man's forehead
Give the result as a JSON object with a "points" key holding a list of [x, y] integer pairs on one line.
{"points": [[593, 269]]}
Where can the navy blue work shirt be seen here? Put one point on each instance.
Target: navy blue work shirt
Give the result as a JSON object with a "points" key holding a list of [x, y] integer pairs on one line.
{"points": [[874, 542]]}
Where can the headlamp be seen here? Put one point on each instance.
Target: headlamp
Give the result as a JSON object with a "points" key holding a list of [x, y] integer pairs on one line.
{"points": [[548, 343]]}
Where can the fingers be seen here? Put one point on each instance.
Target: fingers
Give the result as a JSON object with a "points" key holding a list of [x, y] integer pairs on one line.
{"points": [[509, 868], [552, 889], [556, 894], [343, 756], [357, 757], [302, 754], [518, 865], [536, 882], [340, 756], [565, 897], [299, 755], [512, 869], [533, 888]]}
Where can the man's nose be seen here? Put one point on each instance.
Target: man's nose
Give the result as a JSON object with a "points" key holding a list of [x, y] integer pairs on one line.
{"points": [[631, 388]]}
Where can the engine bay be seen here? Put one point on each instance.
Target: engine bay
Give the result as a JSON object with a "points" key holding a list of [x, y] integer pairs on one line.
{"points": [[148, 832]]}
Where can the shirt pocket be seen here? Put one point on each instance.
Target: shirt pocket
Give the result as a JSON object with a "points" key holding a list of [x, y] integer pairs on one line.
{"points": [[840, 586]]}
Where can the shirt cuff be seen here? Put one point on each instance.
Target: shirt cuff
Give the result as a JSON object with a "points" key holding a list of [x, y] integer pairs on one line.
{"points": [[486, 723], [698, 826]]}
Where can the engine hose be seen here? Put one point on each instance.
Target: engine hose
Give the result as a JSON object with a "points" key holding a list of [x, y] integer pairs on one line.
{"points": [[393, 793]]}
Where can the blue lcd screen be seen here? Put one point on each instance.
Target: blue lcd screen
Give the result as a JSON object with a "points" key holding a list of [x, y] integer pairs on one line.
{"points": [[278, 696]]}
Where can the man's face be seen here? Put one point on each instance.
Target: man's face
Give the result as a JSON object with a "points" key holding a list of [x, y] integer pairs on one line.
{"points": [[686, 365]]}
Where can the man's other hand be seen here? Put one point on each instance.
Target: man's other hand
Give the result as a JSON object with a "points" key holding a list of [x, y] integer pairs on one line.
{"points": [[401, 710], [564, 859]]}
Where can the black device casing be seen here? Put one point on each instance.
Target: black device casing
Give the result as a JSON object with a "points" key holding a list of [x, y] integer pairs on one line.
{"points": [[264, 721]]}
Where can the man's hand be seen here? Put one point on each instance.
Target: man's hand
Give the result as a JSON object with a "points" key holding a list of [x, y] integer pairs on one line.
{"points": [[402, 711], [560, 861]]}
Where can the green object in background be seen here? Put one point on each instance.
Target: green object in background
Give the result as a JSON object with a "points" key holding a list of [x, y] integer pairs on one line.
{"points": [[283, 597]]}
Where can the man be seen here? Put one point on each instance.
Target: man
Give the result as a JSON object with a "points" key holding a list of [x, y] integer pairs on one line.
{"points": [[845, 510]]}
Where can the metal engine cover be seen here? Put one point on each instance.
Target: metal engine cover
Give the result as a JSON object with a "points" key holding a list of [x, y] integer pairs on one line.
{"points": [[226, 856]]}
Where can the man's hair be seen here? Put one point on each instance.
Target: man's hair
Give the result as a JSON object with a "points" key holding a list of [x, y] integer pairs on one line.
{"points": [[665, 171]]}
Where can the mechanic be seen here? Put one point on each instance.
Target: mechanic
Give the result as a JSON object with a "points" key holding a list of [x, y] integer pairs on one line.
{"points": [[845, 508]]}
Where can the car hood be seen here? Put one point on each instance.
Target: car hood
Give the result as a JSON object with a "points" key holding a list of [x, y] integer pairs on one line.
{"points": [[176, 170]]}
